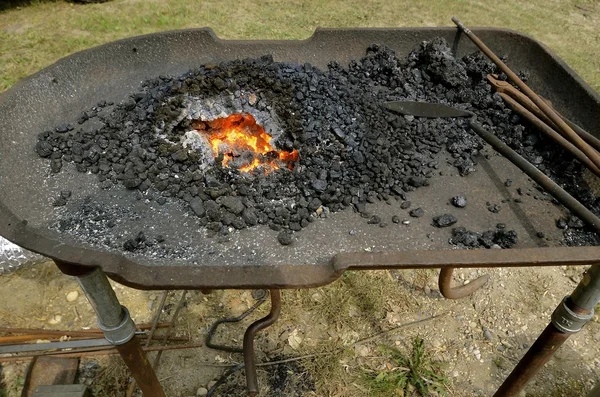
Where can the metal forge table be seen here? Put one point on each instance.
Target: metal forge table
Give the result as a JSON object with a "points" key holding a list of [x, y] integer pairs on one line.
{"points": [[322, 253]]}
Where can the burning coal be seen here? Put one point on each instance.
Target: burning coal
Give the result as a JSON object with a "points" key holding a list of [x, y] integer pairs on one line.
{"points": [[243, 144]]}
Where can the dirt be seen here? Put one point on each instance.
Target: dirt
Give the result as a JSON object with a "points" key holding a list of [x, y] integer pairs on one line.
{"points": [[511, 309]]}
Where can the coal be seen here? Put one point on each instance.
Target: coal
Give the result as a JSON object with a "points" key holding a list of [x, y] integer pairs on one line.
{"points": [[459, 201], [405, 205], [285, 237], [444, 220], [352, 151], [417, 212], [197, 206], [486, 239], [395, 219]]}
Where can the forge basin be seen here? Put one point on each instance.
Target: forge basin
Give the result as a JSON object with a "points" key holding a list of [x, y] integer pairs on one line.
{"points": [[253, 257]]}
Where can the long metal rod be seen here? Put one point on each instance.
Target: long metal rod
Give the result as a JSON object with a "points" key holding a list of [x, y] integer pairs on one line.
{"points": [[449, 292], [483, 258], [568, 318], [545, 128], [539, 177], [159, 309], [533, 361], [116, 323], [249, 360], [593, 155]]}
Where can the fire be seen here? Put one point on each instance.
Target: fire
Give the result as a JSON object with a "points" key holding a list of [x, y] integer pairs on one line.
{"points": [[243, 143]]}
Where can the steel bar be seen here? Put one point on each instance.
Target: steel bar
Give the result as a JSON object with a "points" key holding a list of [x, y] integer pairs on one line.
{"points": [[71, 344], [536, 357], [87, 352], [431, 259], [449, 292], [568, 318], [593, 155], [249, 360], [117, 325], [159, 310], [170, 329], [59, 332], [545, 128], [539, 177]]}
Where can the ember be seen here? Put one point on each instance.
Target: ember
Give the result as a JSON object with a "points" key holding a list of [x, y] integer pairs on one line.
{"points": [[244, 143]]}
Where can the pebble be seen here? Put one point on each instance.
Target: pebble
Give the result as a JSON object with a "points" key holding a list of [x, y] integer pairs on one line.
{"points": [[285, 237], [395, 219], [72, 296], [202, 391], [459, 201], [55, 320], [487, 334], [417, 212], [444, 220]]}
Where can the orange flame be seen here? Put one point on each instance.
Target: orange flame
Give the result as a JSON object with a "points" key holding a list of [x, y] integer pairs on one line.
{"points": [[239, 135]]}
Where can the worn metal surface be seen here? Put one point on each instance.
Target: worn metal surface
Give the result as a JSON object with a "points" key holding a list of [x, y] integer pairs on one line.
{"points": [[540, 178], [254, 259], [249, 359]]}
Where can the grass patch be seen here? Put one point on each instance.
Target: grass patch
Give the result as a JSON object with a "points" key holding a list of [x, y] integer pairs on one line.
{"points": [[34, 34], [407, 374]]}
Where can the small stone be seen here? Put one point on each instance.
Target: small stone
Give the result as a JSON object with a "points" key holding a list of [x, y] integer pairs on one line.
{"points": [[487, 334], [180, 155], [405, 205], [198, 207], [540, 234], [444, 220], [561, 223], [374, 220], [508, 183], [252, 99], [417, 212], [55, 320], [72, 296], [383, 224], [285, 237], [459, 201], [201, 392], [395, 219]]}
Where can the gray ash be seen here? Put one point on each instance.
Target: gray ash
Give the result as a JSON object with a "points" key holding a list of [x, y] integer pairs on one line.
{"points": [[352, 151]]}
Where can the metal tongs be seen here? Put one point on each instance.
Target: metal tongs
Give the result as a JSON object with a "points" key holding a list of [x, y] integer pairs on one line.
{"points": [[525, 107]]}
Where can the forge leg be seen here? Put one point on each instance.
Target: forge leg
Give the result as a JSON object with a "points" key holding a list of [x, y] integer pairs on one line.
{"points": [[249, 362], [115, 322], [445, 285], [568, 318]]}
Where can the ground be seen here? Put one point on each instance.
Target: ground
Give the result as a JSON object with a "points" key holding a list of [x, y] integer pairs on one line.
{"points": [[328, 324]]}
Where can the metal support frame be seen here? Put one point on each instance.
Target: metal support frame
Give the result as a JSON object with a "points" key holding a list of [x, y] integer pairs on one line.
{"points": [[249, 361], [118, 327], [568, 318]]}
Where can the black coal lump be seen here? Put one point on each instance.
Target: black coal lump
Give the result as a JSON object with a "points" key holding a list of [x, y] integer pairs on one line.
{"points": [[285, 237], [197, 206], [444, 220], [416, 212], [459, 201]]}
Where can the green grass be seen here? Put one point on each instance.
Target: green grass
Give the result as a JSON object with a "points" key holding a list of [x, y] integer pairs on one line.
{"points": [[36, 35], [408, 373]]}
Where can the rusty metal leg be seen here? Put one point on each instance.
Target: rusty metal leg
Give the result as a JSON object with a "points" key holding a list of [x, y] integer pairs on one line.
{"points": [[568, 318], [445, 284], [115, 322], [249, 362]]}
